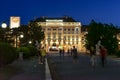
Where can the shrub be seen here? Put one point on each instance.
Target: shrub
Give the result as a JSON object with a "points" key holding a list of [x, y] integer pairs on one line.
{"points": [[7, 54], [33, 50], [25, 50]]}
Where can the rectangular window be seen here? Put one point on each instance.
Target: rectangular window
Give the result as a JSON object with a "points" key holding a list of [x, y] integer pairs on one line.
{"points": [[68, 29], [64, 38], [60, 29], [64, 32], [72, 29], [64, 29], [76, 42], [68, 37], [69, 32], [49, 29], [54, 29]]}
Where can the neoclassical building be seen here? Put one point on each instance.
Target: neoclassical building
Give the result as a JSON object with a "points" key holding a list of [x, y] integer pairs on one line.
{"points": [[61, 32]]}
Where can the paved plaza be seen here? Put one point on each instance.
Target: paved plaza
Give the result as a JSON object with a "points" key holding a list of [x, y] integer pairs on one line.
{"points": [[66, 69], [63, 68], [30, 70]]}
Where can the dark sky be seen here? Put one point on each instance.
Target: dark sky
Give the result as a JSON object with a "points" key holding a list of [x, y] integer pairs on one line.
{"points": [[105, 11]]}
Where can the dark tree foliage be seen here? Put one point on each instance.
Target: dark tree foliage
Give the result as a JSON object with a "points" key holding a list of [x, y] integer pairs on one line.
{"points": [[32, 32], [36, 32], [106, 33], [24, 30]]}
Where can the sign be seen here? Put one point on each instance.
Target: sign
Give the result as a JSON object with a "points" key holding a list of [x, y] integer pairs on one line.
{"points": [[14, 22]]}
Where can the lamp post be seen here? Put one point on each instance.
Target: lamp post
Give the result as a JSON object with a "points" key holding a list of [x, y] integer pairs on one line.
{"points": [[4, 26], [21, 53], [20, 37]]}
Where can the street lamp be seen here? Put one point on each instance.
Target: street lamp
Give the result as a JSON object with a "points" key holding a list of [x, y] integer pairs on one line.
{"points": [[4, 25], [21, 36], [30, 42], [17, 40]]}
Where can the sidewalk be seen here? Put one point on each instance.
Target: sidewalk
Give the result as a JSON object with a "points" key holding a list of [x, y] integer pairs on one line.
{"points": [[67, 70], [30, 70], [27, 69]]}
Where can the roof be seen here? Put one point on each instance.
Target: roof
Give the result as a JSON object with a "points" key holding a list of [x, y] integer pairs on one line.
{"points": [[65, 19]]}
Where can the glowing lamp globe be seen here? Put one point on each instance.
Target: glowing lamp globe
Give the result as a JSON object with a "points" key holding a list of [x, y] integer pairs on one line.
{"points": [[4, 25]]}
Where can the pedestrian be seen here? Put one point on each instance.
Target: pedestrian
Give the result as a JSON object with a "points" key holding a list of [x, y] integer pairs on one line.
{"points": [[71, 51], [38, 52], [43, 54], [63, 53], [60, 52], [39, 57], [68, 51], [92, 54], [75, 54], [103, 53]]}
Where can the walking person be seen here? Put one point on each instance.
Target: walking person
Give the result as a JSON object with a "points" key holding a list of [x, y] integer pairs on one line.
{"points": [[60, 52], [63, 53], [75, 54], [92, 54], [68, 52], [43, 54], [71, 51], [38, 52], [40, 57], [103, 53]]}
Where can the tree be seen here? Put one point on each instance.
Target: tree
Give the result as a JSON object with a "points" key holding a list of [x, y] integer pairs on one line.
{"points": [[102, 32], [24, 30], [36, 32]]}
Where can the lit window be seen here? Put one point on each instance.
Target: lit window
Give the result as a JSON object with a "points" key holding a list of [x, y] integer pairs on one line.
{"points": [[76, 42], [68, 37], [64, 37]]}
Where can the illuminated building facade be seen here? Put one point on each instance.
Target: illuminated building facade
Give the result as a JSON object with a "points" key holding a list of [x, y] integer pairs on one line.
{"points": [[62, 32]]}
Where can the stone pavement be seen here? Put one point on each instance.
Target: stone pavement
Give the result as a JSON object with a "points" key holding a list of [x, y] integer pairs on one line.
{"points": [[66, 69], [30, 70]]}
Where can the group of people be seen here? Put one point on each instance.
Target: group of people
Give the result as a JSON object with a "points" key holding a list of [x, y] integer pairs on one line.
{"points": [[102, 53], [72, 51]]}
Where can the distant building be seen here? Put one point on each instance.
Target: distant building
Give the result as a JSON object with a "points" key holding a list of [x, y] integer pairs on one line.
{"points": [[61, 32]]}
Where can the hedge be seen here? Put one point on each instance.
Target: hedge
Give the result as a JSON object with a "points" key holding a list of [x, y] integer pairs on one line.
{"points": [[7, 54]]}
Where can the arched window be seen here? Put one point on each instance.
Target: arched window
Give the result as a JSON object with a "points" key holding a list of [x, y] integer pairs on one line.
{"points": [[77, 30]]}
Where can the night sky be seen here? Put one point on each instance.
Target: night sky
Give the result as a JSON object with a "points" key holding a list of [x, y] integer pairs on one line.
{"points": [[105, 11]]}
